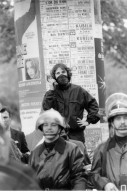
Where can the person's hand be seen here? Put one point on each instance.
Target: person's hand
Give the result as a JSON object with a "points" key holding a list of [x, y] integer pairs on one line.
{"points": [[19, 152], [52, 83], [82, 122], [88, 167], [110, 187]]}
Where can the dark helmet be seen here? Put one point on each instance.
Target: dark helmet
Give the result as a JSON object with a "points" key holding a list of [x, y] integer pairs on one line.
{"points": [[62, 66]]}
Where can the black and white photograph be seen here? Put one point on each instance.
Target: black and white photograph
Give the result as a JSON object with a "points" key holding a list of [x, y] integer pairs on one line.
{"points": [[63, 99]]}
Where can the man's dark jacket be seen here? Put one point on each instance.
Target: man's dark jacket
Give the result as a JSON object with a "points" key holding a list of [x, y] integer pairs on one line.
{"points": [[71, 103], [109, 163], [60, 169], [19, 138]]}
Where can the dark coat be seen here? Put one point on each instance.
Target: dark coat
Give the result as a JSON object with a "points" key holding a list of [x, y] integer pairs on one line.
{"points": [[71, 103], [109, 162], [19, 138], [61, 169], [83, 150]]}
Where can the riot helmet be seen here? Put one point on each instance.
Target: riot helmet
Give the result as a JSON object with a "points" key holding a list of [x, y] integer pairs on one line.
{"points": [[48, 114], [116, 104]]}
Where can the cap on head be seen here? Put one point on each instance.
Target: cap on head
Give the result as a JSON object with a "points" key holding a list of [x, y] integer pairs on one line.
{"points": [[50, 114], [116, 104]]}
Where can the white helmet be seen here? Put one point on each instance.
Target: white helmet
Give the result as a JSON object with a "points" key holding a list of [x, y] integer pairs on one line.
{"points": [[50, 114], [116, 104]]}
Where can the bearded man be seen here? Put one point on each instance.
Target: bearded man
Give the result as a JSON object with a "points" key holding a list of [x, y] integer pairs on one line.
{"points": [[109, 167]]}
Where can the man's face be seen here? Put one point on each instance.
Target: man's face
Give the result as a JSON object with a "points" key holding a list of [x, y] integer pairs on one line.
{"points": [[120, 125], [50, 130], [5, 119], [59, 72]]}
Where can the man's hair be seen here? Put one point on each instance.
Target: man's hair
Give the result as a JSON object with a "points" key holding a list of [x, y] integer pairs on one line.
{"points": [[62, 66], [110, 126], [4, 109]]}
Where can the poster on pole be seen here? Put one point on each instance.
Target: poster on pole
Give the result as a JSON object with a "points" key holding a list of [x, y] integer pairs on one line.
{"points": [[30, 67], [68, 37]]}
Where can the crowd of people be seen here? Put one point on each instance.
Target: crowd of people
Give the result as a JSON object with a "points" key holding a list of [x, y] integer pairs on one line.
{"points": [[61, 161]]}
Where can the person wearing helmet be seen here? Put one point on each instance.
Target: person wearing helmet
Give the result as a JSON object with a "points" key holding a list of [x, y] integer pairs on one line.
{"points": [[58, 163], [109, 167]]}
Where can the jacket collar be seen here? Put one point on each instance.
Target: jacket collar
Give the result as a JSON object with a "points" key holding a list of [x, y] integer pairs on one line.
{"points": [[63, 87], [112, 143], [59, 147]]}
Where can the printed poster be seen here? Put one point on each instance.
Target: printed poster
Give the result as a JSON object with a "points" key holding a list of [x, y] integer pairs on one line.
{"points": [[30, 66]]}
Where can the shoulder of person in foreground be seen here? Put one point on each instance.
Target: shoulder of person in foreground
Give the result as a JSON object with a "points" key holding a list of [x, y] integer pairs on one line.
{"points": [[17, 176], [98, 170]]}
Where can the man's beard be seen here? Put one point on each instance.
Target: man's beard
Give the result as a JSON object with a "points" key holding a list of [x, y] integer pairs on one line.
{"points": [[62, 80]]}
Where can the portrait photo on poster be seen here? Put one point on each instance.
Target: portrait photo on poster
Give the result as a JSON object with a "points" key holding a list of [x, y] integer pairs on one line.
{"points": [[32, 68]]}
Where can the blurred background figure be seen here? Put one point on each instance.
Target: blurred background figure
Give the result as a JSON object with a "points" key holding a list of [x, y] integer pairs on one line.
{"points": [[18, 137], [14, 175], [4, 145], [32, 68]]}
